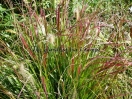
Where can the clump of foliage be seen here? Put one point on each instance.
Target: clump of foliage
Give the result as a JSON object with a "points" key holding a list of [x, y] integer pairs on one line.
{"points": [[65, 49]]}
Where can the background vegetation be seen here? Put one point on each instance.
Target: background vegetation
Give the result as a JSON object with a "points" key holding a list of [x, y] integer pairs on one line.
{"points": [[65, 49]]}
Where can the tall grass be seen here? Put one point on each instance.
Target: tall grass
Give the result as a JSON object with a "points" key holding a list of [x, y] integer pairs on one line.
{"points": [[69, 50]]}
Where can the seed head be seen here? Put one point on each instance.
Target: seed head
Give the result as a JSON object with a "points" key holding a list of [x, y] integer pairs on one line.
{"points": [[50, 38], [130, 9]]}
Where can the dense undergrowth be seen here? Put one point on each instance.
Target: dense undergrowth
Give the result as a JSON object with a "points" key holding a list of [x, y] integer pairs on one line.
{"points": [[67, 49]]}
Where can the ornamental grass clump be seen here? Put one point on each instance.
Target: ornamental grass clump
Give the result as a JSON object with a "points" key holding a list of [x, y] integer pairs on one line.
{"points": [[67, 49]]}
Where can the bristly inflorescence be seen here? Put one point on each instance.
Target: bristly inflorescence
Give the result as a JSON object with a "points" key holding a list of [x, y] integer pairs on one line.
{"points": [[130, 9]]}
